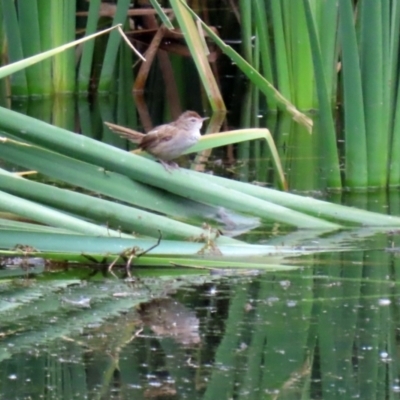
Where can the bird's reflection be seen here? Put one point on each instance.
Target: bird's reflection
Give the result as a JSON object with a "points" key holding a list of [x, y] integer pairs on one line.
{"points": [[169, 318]]}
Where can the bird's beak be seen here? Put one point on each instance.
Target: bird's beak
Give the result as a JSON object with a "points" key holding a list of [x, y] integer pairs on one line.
{"points": [[205, 118]]}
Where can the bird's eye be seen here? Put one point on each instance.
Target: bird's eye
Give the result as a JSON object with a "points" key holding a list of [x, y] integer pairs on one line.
{"points": [[193, 120]]}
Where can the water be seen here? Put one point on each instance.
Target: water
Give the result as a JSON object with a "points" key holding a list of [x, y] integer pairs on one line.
{"points": [[327, 330], [324, 331]]}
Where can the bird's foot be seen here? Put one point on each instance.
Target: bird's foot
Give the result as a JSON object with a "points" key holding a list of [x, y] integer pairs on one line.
{"points": [[169, 165]]}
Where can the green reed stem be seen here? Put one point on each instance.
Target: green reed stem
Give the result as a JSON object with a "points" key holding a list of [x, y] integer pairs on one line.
{"points": [[326, 124], [371, 49], [114, 41], [30, 38], [85, 66], [19, 84], [356, 174]]}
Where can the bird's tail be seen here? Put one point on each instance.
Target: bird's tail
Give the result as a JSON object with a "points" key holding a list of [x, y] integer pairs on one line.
{"points": [[130, 134]]}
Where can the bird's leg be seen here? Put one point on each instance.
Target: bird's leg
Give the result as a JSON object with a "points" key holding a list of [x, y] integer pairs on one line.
{"points": [[169, 165], [173, 165]]}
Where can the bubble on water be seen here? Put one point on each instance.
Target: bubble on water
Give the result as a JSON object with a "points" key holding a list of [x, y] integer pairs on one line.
{"points": [[155, 383], [384, 302], [285, 284], [271, 300], [213, 290], [367, 348], [271, 391]]}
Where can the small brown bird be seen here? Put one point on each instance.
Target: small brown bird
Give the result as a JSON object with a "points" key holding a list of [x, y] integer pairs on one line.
{"points": [[166, 142]]}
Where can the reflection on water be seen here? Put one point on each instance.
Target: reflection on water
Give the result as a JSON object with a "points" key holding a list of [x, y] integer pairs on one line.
{"points": [[168, 318], [327, 331]]}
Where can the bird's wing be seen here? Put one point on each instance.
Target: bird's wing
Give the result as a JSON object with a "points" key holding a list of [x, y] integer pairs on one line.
{"points": [[163, 133], [130, 134]]}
